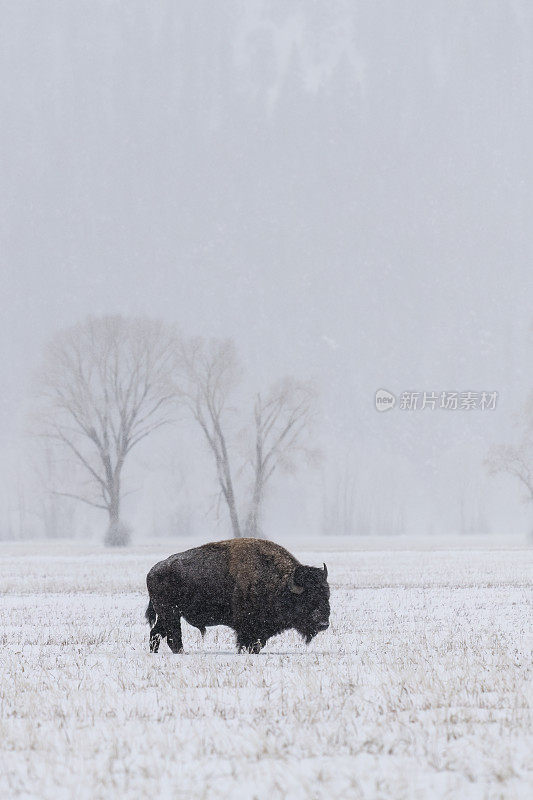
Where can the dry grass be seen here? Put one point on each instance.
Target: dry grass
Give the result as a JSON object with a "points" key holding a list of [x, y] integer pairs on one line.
{"points": [[419, 688]]}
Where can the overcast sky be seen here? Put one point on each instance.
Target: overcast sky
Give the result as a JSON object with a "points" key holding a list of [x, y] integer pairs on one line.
{"points": [[343, 187]]}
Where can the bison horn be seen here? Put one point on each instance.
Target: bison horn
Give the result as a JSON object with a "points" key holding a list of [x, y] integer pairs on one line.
{"points": [[294, 587], [325, 571]]}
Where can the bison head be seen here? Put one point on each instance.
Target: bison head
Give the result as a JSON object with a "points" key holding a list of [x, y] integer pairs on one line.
{"points": [[309, 590]]}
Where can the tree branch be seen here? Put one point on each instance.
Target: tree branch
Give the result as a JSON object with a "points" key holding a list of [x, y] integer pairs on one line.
{"points": [[83, 499]]}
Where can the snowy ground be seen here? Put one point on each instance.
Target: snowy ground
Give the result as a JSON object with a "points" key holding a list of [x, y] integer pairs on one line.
{"points": [[419, 689]]}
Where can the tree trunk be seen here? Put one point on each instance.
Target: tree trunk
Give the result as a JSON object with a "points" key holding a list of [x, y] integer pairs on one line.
{"points": [[114, 510], [234, 517], [235, 524], [252, 521], [225, 480], [118, 534]]}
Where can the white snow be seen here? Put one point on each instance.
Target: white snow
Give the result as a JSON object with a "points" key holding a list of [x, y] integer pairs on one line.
{"points": [[419, 689]]}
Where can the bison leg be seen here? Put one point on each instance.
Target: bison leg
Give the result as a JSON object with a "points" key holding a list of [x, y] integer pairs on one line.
{"points": [[157, 633], [174, 635]]}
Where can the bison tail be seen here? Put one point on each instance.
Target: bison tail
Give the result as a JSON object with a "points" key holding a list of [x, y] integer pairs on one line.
{"points": [[150, 614]]}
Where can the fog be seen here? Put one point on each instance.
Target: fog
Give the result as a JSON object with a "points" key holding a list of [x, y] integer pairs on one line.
{"points": [[343, 188]]}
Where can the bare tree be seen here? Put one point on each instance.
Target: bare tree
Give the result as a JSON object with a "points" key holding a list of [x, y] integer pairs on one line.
{"points": [[208, 372], [516, 460], [105, 387], [281, 420], [208, 377]]}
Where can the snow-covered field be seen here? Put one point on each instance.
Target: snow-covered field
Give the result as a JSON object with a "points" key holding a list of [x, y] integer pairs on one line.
{"points": [[419, 689]]}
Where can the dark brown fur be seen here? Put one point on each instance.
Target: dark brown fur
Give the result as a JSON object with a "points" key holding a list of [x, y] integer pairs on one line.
{"points": [[254, 586]]}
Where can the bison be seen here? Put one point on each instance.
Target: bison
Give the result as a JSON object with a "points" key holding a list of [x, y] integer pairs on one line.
{"points": [[253, 586]]}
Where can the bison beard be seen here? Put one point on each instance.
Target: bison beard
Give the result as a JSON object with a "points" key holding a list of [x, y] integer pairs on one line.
{"points": [[254, 586]]}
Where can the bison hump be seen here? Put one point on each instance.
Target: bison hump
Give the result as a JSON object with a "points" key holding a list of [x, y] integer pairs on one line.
{"points": [[259, 565]]}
